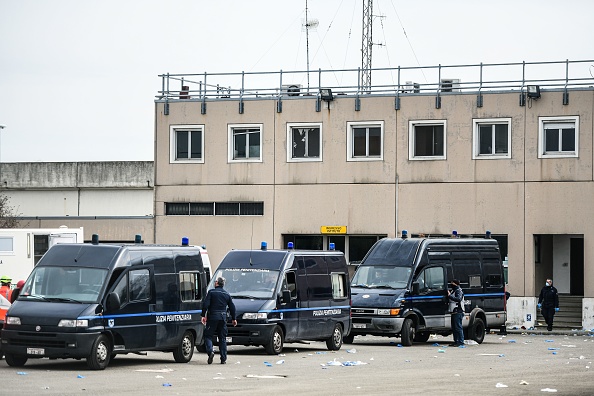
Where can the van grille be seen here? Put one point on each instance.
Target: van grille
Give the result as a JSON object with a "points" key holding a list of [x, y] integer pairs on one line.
{"points": [[37, 340]]}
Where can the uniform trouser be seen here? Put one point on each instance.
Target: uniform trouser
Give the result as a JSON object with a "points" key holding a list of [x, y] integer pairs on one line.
{"points": [[548, 313], [220, 328], [457, 331]]}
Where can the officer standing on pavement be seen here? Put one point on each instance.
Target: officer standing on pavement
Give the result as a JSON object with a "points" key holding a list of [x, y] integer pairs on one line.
{"points": [[548, 302], [456, 300], [214, 317]]}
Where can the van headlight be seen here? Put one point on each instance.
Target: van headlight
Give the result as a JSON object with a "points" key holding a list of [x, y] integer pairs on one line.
{"points": [[73, 323], [13, 320], [255, 315], [389, 312]]}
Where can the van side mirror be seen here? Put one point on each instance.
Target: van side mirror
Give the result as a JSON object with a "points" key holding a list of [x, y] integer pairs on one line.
{"points": [[286, 298], [415, 288], [113, 301]]}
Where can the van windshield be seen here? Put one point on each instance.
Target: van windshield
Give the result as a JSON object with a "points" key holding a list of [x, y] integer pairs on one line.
{"points": [[375, 276], [64, 284], [248, 282]]}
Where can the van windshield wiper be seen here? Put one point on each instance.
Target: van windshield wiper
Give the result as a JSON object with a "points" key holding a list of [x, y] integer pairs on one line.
{"points": [[383, 287], [246, 296], [62, 299], [37, 296], [361, 285]]}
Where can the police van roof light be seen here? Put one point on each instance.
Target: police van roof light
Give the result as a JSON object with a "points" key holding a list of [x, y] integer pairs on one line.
{"points": [[264, 246], [185, 241], [95, 239], [454, 234], [290, 245], [332, 246], [488, 234], [404, 234], [137, 238]]}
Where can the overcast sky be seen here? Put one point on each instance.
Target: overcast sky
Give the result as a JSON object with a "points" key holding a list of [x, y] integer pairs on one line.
{"points": [[78, 78]]}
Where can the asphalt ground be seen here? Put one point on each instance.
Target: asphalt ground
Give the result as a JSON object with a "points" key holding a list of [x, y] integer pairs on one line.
{"points": [[516, 364]]}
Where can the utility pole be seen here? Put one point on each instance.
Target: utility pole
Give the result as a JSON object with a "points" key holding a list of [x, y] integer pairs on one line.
{"points": [[366, 46]]}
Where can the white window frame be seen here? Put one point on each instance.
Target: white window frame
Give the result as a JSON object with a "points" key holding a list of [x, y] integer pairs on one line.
{"points": [[542, 121], [173, 144], [9, 240], [476, 122], [359, 124], [290, 126], [230, 142], [411, 140]]}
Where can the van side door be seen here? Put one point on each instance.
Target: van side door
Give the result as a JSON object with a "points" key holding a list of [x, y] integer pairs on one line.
{"points": [[131, 322], [431, 300], [290, 314], [314, 293]]}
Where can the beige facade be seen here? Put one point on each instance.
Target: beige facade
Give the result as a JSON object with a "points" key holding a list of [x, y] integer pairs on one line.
{"points": [[537, 202]]}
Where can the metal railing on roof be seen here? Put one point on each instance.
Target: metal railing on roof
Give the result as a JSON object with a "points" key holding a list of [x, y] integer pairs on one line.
{"points": [[430, 80]]}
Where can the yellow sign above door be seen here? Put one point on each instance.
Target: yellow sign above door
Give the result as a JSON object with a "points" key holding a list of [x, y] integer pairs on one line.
{"points": [[333, 229]]}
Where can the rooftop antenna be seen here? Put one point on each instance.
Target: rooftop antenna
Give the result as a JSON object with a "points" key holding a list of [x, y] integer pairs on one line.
{"points": [[309, 24]]}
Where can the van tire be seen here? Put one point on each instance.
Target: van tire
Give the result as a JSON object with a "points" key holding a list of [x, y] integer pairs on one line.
{"points": [[100, 353], [477, 330], [422, 336], [275, 344], [15, 360], [349, 339], [185, 350], [408, 333], [335, 341]]}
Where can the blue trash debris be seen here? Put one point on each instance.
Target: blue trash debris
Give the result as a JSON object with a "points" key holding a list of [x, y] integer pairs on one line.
{"points": [[553, 349], [80, 376], [21, 373], [436, 344], [166, 384], [549, 340], [268, 364], [399, 346], [512, 341]]}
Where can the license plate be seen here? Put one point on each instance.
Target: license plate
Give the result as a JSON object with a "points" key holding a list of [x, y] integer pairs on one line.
{"points": [[35, 351], [359, 325], [229, 339]]}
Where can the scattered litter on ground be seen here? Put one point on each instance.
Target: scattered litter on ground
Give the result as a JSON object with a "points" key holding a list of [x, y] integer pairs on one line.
{"points": [[370, 358], [549, 340], [280, 362], [268, 364], [456, 375], [488, 354], [511, 341], [357, 363], [436, 344], [265, 376], [218, 377], [523, 382], [399, 346], [553, 349], [165, 370], [441, 350], [407, 361], [351, 350], [470, 342], [21, 373], [80, 376], [568, 346], [549, 390], [159, 376], [334, 363], [166, 384], [461, 346], [554, 353], [500, 385]]}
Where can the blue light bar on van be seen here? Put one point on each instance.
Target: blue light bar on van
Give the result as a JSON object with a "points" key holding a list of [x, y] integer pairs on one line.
{"points": [[137, 238], [185, 241], [488, 234], [95, 239], [290, 245], [264, 246], [454, 234], [404, 234], [332, 246]]}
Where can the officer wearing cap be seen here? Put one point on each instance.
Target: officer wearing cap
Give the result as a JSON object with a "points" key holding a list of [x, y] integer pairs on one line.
{"points": [[5, 289]]}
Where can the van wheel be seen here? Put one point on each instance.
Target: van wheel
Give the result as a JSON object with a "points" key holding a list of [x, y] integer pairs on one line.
{"points": [[15, 360], [408, 332], [335, 342], [100, 353], [477, 330], [422, 336], [275, 344], [348, 339], [185, 350]]}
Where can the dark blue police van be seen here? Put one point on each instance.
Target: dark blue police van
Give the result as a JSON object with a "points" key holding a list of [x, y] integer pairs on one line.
{"points": [[287, 296], [401, 288], [95, 301]]}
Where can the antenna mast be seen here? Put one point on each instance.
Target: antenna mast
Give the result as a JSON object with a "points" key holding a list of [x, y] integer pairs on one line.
{"points": [[307, 25], [366, 46]]}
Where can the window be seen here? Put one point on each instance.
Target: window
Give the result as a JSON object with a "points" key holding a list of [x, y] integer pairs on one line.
{"points": [[339, 286], [214, 208], [558, 137], [491, 138], [365, 141], [6, 245], [187, 144], [245, 143], [140, 287], [40, 246], [304, 142], [431, 279], [189, 286], [427, 140]]}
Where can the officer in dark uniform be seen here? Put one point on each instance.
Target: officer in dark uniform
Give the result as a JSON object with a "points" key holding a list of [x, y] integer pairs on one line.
{"points": [[548, 302], [214, 317]]}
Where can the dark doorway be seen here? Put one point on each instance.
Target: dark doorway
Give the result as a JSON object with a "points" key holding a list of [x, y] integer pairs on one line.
{"points": [[576, 257]]}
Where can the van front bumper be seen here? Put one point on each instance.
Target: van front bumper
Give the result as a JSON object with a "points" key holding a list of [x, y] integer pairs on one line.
{"points": [[382, 326], [51, 345], [250, 333]]}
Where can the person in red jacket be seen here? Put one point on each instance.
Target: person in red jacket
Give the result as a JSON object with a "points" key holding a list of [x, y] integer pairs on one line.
{"points": [[16, 291]]}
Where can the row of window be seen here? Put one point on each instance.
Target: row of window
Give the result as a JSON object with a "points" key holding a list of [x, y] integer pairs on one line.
{"points": [[558, 138], [214, 208]]}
